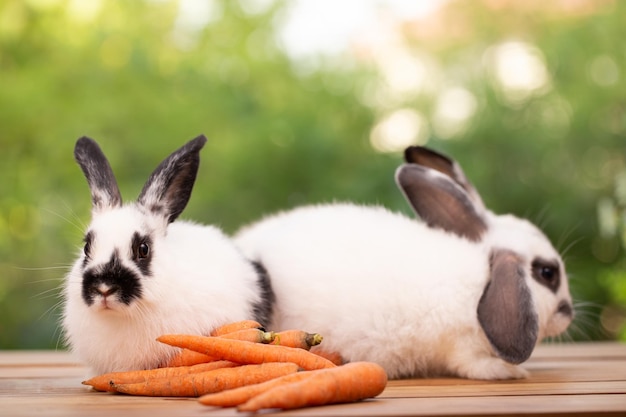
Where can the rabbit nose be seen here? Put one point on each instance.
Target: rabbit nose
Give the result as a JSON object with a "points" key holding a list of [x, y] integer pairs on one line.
{"points": [[107, 290], [565, 308]]}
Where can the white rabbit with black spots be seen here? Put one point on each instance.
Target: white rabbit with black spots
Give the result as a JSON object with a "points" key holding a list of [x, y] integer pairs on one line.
{"points": [[464, 292], [142, 274]]}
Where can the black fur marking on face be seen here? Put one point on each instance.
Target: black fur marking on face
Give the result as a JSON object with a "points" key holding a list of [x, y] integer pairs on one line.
{"points": [[111, 279], [547, 273], [142, 253], [263, 309], [87, 248]]}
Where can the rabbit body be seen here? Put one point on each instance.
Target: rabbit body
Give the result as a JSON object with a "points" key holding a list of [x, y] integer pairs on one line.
{"points": [[465, 293], [395, 293]]}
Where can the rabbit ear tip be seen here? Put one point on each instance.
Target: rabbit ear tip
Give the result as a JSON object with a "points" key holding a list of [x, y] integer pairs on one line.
{"points": [[84, 141], [200, 140]]}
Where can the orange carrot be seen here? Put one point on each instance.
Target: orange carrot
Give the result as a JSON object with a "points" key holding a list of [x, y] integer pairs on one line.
{"points": [[194, 385], [236, 396], [334, 357], [103, 382], [352, 382], [246, 352], [297, 339], [251, 335], [233, 327], [188, 357]]}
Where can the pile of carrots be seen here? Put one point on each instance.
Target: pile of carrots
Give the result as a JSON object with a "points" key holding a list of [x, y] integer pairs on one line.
{"points": [[241, 365]]}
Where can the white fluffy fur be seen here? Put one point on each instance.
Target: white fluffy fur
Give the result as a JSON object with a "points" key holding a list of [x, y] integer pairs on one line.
{"points": [[386, 288], [199, 280]]}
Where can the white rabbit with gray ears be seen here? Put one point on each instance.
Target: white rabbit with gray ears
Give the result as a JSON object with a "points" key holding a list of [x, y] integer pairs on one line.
{"points": [[464, 292], [142, 274]]}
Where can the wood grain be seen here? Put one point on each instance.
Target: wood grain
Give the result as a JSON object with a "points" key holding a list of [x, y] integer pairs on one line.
{"points": [[581, 379]]}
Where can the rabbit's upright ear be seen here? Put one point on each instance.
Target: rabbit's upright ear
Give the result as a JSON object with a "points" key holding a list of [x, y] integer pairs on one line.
{"points": [[104, 190], [505, 310], [441, 202], [168, 189], [428, 158]]}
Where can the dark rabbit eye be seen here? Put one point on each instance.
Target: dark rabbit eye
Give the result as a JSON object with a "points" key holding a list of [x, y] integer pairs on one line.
{"points": [[141, 247], [143, 251], [546, 273]]}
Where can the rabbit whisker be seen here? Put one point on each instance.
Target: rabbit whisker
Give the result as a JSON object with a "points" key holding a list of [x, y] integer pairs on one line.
{"points": [[75, 221]]}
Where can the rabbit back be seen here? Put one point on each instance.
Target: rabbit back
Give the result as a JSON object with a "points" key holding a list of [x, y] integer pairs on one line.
{"points": [[378, 285]]}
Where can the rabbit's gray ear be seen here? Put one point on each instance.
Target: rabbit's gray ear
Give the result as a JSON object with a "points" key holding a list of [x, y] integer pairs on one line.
{"points": [[427, 157], [168, 189], [104, 190], [506, 311], [441, 202]]}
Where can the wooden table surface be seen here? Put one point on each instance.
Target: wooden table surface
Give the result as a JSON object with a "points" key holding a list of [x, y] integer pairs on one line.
{"points": [[566, 379]]}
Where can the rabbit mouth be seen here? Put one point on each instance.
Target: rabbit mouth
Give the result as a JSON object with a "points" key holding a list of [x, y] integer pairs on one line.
{"points": [[560, 320], [106, 298]]}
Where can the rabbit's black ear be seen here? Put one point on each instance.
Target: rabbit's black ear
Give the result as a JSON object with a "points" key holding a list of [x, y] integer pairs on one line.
{"points": [[441, 202], [104, 190], [168, 189], [428, 158], [505, 310]]}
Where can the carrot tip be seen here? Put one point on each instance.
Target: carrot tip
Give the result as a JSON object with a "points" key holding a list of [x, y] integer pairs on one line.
{"points": [[314, 339], [268, 337]]}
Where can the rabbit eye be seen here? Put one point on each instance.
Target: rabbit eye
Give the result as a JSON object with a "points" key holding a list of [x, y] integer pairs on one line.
{"points": [[141, 247], [546, 273], [143, 251]]}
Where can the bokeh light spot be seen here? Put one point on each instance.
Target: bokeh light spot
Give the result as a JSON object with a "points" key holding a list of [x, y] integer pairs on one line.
{"points": [[453, 111], [398, 130]]}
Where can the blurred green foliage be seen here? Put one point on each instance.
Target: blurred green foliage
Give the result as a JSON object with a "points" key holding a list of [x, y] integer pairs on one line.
{"points": [[282, 133]]}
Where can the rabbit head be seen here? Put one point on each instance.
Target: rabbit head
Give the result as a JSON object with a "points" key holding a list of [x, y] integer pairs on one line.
{"points": [[527, 296]]}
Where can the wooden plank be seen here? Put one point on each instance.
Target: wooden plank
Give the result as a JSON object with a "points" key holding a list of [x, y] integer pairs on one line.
{"points": [[105, 405], [491, 390], [557, 372], [565, 379], [565, 405], [574, 351], [32, 371], [36, 357]]}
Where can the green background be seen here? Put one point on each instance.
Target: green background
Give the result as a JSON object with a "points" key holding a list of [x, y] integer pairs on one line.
{"points": [[284, 132]]}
